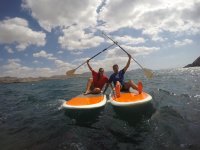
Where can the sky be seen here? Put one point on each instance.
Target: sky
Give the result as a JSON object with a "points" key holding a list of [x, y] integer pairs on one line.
{"points": [[50, 37]]}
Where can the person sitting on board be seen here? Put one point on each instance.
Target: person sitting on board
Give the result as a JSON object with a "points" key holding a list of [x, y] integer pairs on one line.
{"points": [[96, 83], [118, 79]]}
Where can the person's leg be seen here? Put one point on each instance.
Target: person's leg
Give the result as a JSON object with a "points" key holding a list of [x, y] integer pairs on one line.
{"points": [[89, 83], [96, 91], [138, 87], [118, 89], [129, 84]]}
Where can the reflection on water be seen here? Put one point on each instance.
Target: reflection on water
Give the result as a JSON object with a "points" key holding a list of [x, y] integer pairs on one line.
{"points": [[84, 117], [135, 114]]}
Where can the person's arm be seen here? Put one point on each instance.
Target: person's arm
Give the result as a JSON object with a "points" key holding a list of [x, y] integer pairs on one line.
{"points": [[113, 90], [128, 63], [89, 65], [111, 86], [107, 84]]}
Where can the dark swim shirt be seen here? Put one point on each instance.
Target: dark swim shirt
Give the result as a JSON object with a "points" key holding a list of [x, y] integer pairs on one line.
{"points": [[117, 77]]}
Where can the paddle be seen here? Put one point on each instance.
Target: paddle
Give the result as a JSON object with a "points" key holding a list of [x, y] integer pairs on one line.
{"points": [[71, 72], [148, 73]]}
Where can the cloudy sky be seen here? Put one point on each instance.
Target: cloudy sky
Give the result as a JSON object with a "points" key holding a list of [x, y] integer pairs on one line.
{"points": [[49, 37]]}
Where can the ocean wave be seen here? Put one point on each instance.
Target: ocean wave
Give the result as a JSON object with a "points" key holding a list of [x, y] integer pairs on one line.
{"points": [[197, 96]]}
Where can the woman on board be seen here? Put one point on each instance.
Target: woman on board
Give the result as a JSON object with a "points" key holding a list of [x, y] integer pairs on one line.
{"points": [[118, 79], [96, 83]]}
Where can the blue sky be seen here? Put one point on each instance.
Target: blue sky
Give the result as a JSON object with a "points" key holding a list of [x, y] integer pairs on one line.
{"points": [[45, 38]]}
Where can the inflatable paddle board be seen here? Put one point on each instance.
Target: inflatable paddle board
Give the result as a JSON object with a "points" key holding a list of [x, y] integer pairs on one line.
{"points": [[132, 107], [130, 99], [89, 101]]}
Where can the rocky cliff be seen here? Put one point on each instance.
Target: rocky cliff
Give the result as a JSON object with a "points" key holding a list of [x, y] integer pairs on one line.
{"points": [[196, 63]]}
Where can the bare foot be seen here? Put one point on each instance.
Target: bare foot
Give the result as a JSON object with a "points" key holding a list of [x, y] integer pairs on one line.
{"points": [[87, 92]]}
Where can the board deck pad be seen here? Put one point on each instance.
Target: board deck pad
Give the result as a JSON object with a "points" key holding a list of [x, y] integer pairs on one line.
{"points": [[88, 99], [130, 97]]}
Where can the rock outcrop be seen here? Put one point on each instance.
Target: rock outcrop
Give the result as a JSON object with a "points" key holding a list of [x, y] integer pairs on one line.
{"points": [[196, 63]]}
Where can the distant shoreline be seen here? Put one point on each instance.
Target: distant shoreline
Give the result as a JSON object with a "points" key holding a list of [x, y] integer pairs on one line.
{"points": [[28, 79], [7, 80]]}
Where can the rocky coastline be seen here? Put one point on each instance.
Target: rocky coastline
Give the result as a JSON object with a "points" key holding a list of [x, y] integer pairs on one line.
{"points": [[196, 63]]}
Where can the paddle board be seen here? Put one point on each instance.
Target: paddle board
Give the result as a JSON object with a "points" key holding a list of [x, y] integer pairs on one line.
{"points": [[89, 101], [130, 99]]}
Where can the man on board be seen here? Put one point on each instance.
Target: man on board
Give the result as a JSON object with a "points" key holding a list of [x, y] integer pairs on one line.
{"points": [[118, 79], [96, 83]]}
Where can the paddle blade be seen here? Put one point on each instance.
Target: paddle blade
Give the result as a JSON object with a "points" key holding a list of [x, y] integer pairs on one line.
{"points": [[70, 72], [148, 73]]}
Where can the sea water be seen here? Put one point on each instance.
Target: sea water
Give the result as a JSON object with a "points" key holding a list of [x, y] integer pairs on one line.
{"points": [[32, 117]]}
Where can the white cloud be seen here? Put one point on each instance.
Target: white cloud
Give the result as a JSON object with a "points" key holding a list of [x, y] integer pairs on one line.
{"points": [[153, 33], [152, 17], [63, 13], [183, 42], [35, 62], [61, 65], [133, 50], [13, 64], [115, 56], [9, 50], [44, 54], [22, 46], [60, 52], [16, 30], [129, 40], [76, 52], [14, 60], [107, 64], [72, 17], [75, 39], [42, 72], [14, 68]]}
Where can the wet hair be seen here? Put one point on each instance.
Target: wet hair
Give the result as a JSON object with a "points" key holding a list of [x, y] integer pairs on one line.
{"points": [[115, 65], [100, 69]]}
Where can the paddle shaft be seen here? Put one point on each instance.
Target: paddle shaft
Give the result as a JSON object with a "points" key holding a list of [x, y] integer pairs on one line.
{"points": [[122, 49], [95, 55]]}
